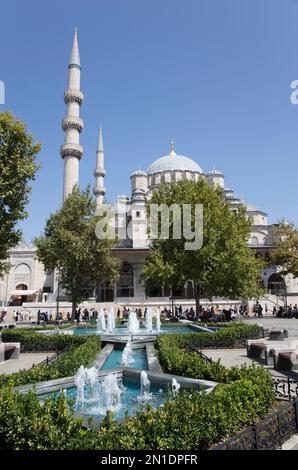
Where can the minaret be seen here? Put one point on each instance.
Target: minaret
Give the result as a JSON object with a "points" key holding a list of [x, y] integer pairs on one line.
{"points": [[99, 190], [72, 124]]}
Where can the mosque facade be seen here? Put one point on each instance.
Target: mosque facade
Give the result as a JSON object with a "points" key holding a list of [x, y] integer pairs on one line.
{"points": [[27, 281]]}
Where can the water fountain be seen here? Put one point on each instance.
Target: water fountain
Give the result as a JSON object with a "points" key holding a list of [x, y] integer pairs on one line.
{"points": [[92, 379], [101, 321], [111, 321], [99, 396], [148, 321], [133, 323], [175, 387], [80, 381], [145, 388], [158, 320], [127, 355], [111, 396]]}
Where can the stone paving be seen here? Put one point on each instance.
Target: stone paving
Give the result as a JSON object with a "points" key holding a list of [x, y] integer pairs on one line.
{"points": [[291, 444], [238, 357], [26, 361], [290, 324]]}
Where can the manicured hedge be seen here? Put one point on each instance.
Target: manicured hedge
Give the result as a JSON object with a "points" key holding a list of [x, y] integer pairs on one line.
{"points": [[176, 356], [84, 352], [227, 337], [32, 340], [193, 420]]}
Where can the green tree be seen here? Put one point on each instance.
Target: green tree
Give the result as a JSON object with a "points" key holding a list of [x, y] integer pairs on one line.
{"points": [[285, 253], [70, 245], [18, 166], [224, 265]]}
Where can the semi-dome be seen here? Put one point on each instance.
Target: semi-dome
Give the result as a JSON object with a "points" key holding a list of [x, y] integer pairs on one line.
{"points": [[174, 162]]}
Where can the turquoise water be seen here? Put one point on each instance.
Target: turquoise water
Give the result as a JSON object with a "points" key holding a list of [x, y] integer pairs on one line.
{"points": [[129, 400], [114, 359], [124, 331]]}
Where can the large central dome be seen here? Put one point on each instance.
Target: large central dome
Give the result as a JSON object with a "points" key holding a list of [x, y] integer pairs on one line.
{"points": [[174, 162]]}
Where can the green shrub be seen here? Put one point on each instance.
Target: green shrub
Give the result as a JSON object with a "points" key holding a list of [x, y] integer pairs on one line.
{"points": [[66, 365], [32, 340], [176, 356], [193, 420]]}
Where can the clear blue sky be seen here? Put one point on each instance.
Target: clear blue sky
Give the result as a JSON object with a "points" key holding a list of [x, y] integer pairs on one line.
{"points": [[213, 74]]}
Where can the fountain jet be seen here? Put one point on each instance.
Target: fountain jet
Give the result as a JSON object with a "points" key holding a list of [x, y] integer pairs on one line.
{"points": [[145, 388], [127, 355]]}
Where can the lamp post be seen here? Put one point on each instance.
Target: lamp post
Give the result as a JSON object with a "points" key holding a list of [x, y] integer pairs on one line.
{"points": [[58, 294]]}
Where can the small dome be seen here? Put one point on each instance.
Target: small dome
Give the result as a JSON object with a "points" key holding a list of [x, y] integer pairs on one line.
{"points": [[251, 208], [139, 173], [215, 173], [174, 162]]}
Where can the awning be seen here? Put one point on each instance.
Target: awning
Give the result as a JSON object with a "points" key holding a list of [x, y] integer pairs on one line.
{"points": [[19, 292]]}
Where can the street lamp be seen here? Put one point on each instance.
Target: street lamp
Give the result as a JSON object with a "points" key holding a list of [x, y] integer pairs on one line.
{"points": [[58, 294]]}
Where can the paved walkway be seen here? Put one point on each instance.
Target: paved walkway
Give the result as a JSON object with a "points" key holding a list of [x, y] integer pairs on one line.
{"points": [[26, 361], [238, 357], [291, 444], [290, 324]]}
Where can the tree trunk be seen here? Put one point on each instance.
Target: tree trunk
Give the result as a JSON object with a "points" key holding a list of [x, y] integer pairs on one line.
{"points": [[73, 308], [197, 298]]}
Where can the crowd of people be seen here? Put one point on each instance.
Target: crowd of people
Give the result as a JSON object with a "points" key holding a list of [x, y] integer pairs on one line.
{"points": [[205, 314], [286, 312], [21, 315]]}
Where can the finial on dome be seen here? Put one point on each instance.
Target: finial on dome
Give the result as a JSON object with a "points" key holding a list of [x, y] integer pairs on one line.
{"points": [[172, 151]]}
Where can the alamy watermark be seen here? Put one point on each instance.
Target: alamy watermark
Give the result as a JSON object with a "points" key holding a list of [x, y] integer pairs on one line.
{"points": [[155, 222], [2, 92]]}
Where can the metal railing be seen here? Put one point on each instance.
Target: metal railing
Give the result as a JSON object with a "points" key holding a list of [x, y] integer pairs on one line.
{"points": [[205, 359], [49, 359], [269, 434], [285, 389]]}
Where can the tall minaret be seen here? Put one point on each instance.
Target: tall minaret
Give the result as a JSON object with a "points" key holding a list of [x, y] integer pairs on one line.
{"points": [[99, 190], [72, 124]]}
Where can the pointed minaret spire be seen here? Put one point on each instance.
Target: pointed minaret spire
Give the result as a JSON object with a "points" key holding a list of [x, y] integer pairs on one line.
{"points": [[100, 141], [72, 124], [75, 54], [99, 190]]}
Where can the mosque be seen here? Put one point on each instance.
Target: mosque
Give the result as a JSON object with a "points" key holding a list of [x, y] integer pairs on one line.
{"points": [[28, 284]]}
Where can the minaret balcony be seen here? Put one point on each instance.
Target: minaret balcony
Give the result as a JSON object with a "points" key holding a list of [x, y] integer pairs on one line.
{"points": [[72, 95], [72, 122], [71, 150], [97, 191], [99, 172]]}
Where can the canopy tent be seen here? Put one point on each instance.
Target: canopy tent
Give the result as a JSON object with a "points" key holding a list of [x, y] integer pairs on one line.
{"points": [[19, 292]]}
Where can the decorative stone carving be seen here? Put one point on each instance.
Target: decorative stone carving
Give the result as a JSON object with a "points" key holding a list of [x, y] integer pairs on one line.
{"points": [[99, 172], [72, 95], [71, 150], [72, 122]]}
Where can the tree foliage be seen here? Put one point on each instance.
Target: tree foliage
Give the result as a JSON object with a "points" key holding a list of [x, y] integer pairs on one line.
{"points": [[224, 265], [18, 166], [285, 253], [70, 244]]}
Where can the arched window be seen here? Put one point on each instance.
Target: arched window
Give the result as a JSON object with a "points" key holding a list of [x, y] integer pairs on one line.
{"points": [[254, 241], [276, 284], [22, 287]]}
